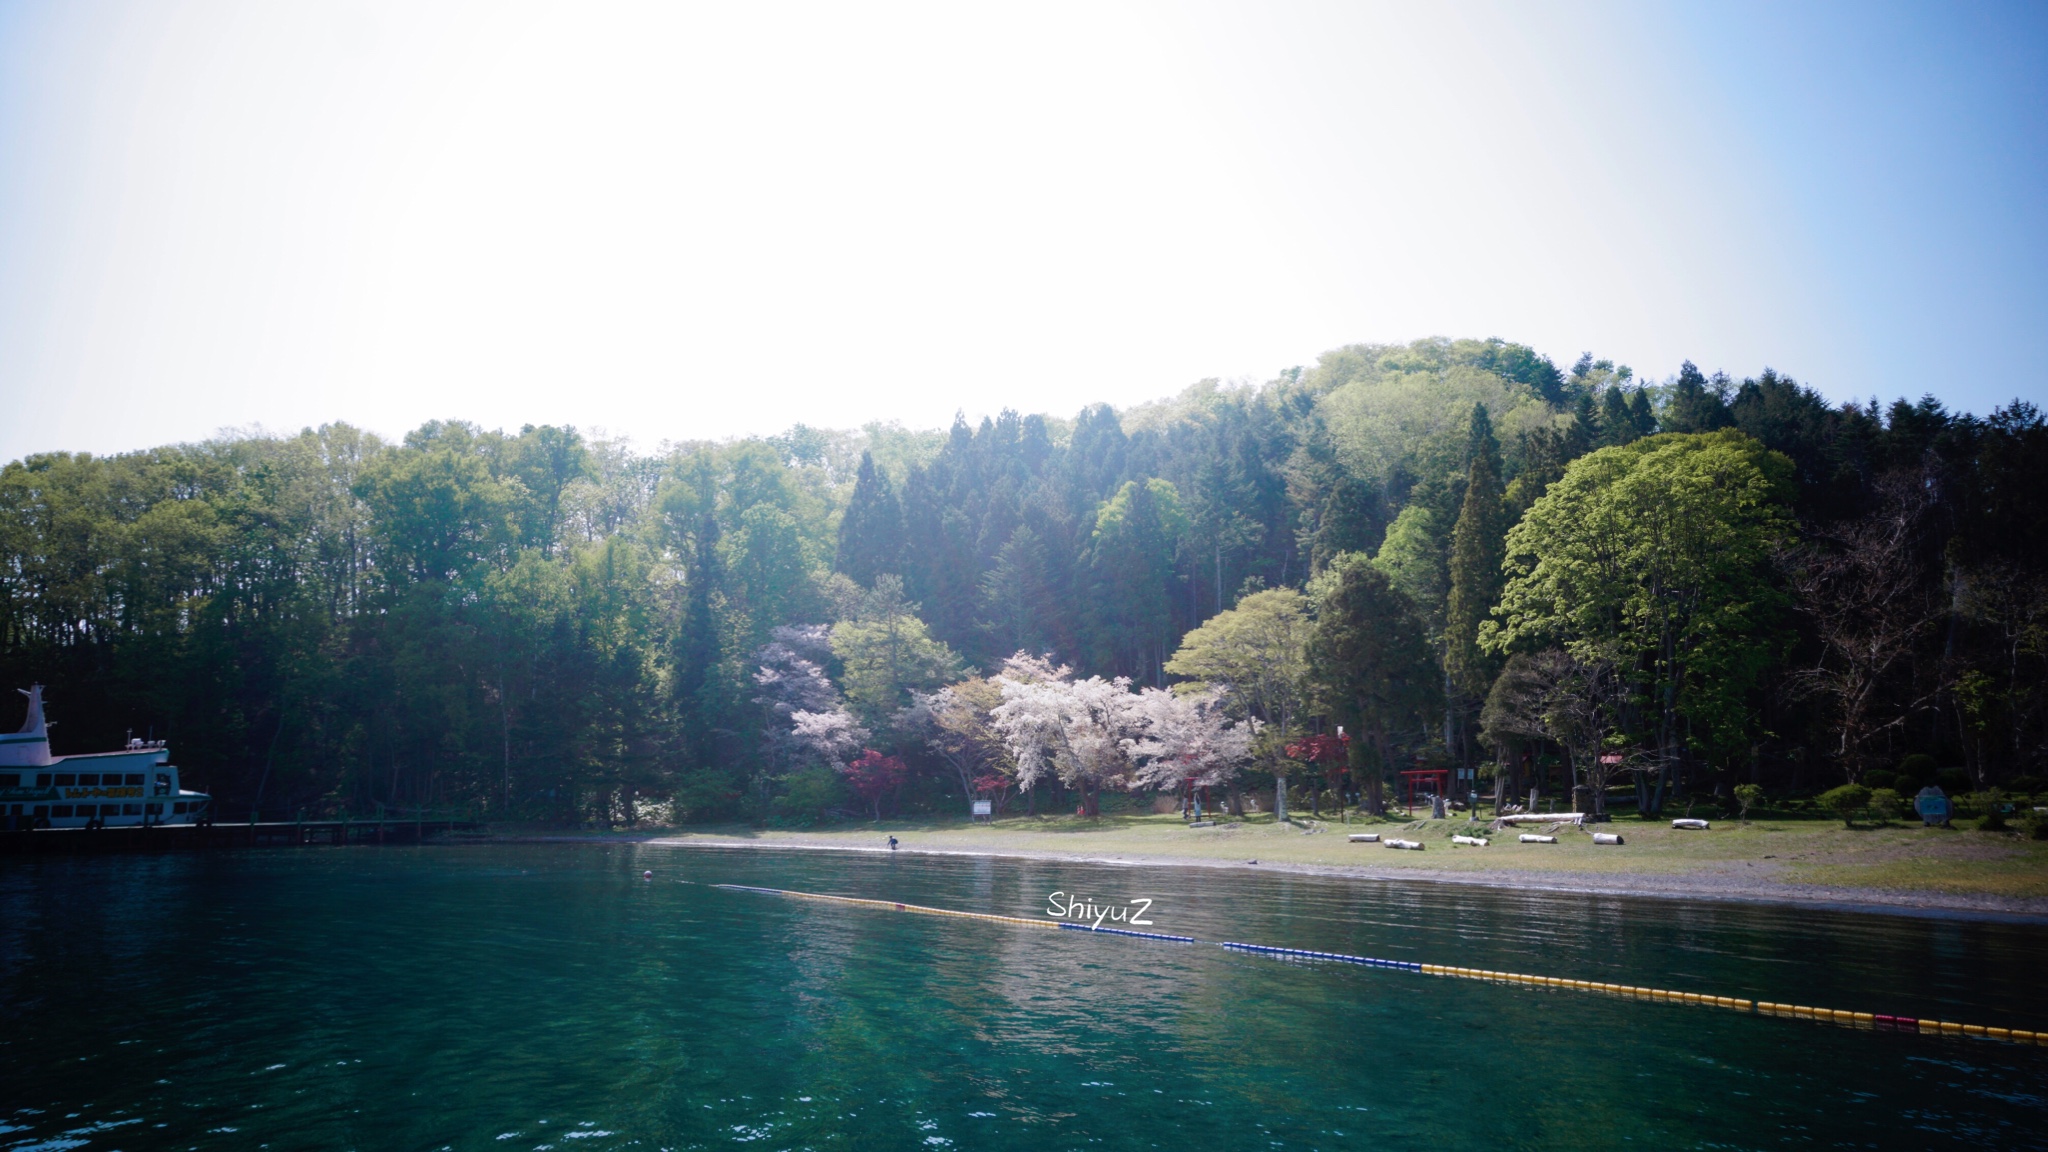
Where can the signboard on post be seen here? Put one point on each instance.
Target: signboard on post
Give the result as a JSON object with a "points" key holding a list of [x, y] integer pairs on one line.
{"points": [[984, 810]]}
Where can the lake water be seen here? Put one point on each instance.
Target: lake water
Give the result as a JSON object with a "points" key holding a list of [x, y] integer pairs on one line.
{"points": [[545, 997]]}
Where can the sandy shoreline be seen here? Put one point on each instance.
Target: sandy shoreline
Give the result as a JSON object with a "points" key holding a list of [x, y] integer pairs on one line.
{"points": [[1703, 885]]}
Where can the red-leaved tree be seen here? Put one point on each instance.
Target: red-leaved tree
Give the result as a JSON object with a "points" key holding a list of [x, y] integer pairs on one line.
{"points": [[996, 786], [1327, 751], [872, 775]]}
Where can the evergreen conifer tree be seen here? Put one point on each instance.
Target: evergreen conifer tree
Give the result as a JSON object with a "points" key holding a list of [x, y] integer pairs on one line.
{"points": [[1477, 549], [1617, 424], [871, 532], [1369, 665], [1697, 404], [1642, 419]]}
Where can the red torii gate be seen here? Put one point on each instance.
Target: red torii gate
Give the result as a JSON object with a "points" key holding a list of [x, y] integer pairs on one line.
{"points": [[1441, 777]]}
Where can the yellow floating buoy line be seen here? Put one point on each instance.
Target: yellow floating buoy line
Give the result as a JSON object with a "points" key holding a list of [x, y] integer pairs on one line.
{"points": [[1865, 1020]]}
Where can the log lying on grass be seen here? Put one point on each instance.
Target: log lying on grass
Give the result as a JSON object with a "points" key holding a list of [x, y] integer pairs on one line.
{"points": [[1554, 817], [1474, 841], [1606, 837], [1688, 822], [1411, 845], [1365, 837], [1532, 838]]}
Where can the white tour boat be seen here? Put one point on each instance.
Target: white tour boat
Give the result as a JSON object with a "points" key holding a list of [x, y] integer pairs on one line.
{"points": [[137, 785]]}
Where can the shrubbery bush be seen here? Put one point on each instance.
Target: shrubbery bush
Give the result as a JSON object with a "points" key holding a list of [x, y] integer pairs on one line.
{"points": [[810, 794], [1993, 804], [1846, 802]]}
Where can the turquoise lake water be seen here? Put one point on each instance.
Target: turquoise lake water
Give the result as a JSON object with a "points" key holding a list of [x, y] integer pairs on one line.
{"points": [[546, 997]]}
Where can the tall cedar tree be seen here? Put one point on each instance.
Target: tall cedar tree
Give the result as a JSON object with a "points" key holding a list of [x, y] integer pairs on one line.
{"points": [[1697, 404], [699, 683], [1477, 549], [1625, 416], [871, 532], [1131, 578], [1370, 665]]}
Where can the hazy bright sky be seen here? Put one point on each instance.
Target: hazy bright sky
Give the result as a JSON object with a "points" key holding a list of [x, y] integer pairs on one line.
{"points": [[678, 221]]}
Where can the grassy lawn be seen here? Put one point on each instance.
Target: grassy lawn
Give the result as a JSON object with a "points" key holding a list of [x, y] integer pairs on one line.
{"points": [[1771, 851]]}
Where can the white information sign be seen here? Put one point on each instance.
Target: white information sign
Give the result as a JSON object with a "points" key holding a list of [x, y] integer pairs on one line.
{"points": [[983, 807]]}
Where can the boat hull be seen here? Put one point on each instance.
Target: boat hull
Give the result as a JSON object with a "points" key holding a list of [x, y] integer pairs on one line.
{"points": [[129, 788]]}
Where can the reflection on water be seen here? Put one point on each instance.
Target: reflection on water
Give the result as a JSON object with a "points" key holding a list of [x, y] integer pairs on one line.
{"points": [[546, 997]]}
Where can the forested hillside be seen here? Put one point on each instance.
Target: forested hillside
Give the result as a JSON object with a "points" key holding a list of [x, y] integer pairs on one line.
{"points": [[1459, 552]]}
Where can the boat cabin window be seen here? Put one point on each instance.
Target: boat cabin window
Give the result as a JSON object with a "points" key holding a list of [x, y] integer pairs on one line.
{"points": [[130, 809], [163, 784], [86, 779], [66, 780], [135, 778], [178, 808], [42, 779], [10, 779], [61, 811]]}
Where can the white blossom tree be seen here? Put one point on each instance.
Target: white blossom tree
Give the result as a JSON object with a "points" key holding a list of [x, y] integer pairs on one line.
{"points": [[1187, 737], [1056, 726], [790, 673], [954, 722], [830, 736], [808, 720]]}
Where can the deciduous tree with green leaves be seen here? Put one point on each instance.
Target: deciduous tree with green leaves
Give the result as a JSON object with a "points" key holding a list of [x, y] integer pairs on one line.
{"points": [[1257, 652], [1655, 557], [888, 654]]}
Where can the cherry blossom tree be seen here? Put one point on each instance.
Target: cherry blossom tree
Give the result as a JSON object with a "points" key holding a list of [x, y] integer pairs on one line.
{"points": [[791, 679], [828, 736], [808, 724], [1075, 730], [1187, 738], [954, 722]]}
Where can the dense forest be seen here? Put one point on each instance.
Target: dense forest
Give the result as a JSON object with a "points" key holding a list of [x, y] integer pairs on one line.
{"points": [[1462, 555]]}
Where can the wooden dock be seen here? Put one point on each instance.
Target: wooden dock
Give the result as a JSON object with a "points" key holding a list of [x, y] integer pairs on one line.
{"points": [[268, 834]]}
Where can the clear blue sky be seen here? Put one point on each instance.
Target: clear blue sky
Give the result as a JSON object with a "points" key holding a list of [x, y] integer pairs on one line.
{"points": [[674, 222]]}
